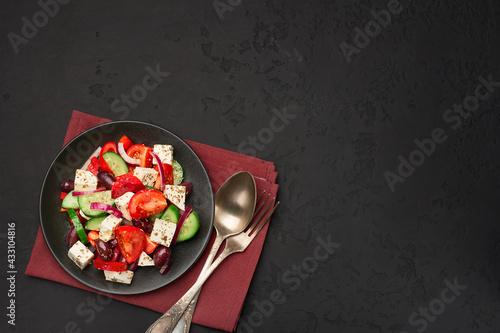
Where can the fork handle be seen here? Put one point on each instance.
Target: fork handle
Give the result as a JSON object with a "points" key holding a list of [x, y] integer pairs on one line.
{"points": [[184, 322], [167, 322]]}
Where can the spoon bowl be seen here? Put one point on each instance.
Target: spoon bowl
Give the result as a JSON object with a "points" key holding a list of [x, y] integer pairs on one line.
{"points": [[234, 204]]}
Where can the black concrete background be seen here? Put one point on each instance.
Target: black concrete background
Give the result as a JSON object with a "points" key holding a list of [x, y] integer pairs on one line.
{"points": [[352, 120]]}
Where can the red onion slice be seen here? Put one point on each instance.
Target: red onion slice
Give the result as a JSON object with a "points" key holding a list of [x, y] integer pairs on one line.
{"points": [[75, 194], [162, 171], [85, 217], [106, 208], [128, 159], [94, 154], [181, 222]]}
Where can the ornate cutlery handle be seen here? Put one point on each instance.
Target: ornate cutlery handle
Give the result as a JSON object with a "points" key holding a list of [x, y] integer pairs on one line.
{"points": [[184, 323], [167, 322]]}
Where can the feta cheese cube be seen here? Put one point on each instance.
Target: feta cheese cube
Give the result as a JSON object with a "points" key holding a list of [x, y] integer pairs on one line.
{"points": [[108, 226], [176, 194], [145, 260], [80, 254], [146, 175], [163, 232], [85, 181], [121, 277], [122, 205], [165, 153]]}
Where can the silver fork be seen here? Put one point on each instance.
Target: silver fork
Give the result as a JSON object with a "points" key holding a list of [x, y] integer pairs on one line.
{"points": [[184, 323], [236, 243]]}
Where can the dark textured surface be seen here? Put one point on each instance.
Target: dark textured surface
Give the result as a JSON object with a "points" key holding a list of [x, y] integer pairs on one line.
{"points": [[396, 250]]}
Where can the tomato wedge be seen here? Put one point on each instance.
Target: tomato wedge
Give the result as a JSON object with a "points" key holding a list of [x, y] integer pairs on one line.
{"points": [[113, 266], [110, 146], [146, 203], [131, 242], [143, 154], [150, 245], [169, 175], [126, 142], [126, 183]]}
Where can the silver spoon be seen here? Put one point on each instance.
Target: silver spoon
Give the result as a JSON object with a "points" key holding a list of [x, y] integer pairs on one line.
{"points": [[234, 207]]}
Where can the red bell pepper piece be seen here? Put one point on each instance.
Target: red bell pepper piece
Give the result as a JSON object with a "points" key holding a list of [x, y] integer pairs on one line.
{"points": [[92, 236], [126, 142], [113, 266], [93, 166]]}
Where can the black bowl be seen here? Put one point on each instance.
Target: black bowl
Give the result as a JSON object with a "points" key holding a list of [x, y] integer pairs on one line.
{"points": [[55, 224]]}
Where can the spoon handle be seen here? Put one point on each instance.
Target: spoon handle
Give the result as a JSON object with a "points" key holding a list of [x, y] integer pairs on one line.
{"points": [[184, 323], [167, 322], [215, 247]]}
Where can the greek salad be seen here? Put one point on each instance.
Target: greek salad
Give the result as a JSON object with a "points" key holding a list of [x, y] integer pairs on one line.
{"points": [[127, 207]]}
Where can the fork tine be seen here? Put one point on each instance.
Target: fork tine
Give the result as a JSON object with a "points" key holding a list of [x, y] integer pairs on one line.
{"points": [[261, 203], [256, 220], [268, 217], [260, 196]]}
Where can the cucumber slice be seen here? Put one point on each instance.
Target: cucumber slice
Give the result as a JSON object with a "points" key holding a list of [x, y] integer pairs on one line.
{"points": [[171, 214], [189, 227], [178, 172], [151, 188], [95, 223], [157, 216], [70, 201], [115, 163], [78, 226], [85, 200]]}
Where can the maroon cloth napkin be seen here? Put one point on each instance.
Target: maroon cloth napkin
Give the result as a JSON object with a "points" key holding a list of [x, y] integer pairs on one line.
{"points": [[221, 299]]}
